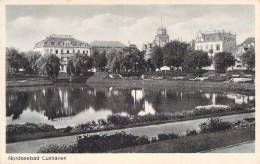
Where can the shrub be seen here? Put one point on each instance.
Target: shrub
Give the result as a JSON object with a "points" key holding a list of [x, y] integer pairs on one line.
{"points": [[119, 119], [14, 129], [214, 125], [242, 107], [58, 149], [68, 129], [102, 143], [191, 133], [162, 137]]}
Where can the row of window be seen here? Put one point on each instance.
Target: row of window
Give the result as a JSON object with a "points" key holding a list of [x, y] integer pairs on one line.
{"points": [[66, 51], [63, 44], [207, 47]]}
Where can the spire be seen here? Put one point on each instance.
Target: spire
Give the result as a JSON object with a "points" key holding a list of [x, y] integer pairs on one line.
{"points": [[161, 19]]}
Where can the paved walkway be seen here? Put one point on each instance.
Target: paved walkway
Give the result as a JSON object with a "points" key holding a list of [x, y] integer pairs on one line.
{"points": [[151, 131], [248, 147]]}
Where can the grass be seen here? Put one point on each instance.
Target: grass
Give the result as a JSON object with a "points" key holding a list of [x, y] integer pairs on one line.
{"points": [[60, 132], [197, 143]]}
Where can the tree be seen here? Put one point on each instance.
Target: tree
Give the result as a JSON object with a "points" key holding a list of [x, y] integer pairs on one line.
{"points": [[79, 64], [223, 60], [149, 65], [32, 57], [174, 53], [248, 58], [49, 65], [16, 59], [113, 60], [99, 60], [196, 60], [157, 57]]}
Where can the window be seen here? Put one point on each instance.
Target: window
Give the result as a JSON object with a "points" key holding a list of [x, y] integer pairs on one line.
{"points": [[211, 47], [61, 51], [68, 51], [67, 44], [198, 48], [52, 43], [73, 51], [62, 67], [78, 51], [83, 52], [56, 51], [201, 47], [207, 47], [217, 47], [86, 51]]}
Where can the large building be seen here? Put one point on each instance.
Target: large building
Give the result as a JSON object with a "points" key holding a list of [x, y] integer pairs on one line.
{"points": [[213, 41], [64, 46], [107, 46], [160, 40]]}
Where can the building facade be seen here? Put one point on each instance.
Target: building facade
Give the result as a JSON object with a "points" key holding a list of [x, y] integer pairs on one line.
{"points": [[64, 46], [160, 40], [213, 41], [240, 50]]}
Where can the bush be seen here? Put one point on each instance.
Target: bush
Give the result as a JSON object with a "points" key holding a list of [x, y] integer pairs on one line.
{"points": [[14, 129], [162, 137], [242, 107], [102, 143], [59, 149], [68, 129], [191, 133], [214, 125], [119, 119]]}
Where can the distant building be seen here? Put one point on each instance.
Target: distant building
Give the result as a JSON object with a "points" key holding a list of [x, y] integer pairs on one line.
{"points": [[64, 46], [241, 49], [213, 41], [160, 40], [107, 46]]}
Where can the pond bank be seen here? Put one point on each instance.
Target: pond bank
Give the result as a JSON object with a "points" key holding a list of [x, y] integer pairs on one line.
{"points": [[150, 131], [210, 86]]}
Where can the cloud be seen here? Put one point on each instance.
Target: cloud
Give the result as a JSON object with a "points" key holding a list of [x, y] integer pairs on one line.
{"points": [[24, 31]]}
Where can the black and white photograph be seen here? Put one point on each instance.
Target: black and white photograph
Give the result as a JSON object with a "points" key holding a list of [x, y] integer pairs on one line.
{"points": [[128, 78]]}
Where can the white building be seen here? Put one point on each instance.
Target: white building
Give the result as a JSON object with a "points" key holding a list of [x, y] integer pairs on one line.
{"points": [[213, 42], [64, 46], [240, 50]]}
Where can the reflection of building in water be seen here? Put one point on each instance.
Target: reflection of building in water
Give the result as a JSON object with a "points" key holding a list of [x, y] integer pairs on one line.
{"points": [[148, 109], [240, 99], [137, 95]]}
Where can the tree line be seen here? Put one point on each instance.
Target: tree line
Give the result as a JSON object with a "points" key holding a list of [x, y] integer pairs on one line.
{"points": [[175, 54]]}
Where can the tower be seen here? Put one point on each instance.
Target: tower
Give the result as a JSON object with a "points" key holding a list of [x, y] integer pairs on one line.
{"points": [[162, 37]]}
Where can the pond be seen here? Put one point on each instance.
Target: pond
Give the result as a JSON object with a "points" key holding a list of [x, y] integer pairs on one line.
{"points": [[64, 105]]}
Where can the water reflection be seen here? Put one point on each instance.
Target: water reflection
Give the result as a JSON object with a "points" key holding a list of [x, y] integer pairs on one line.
{"points": [[67, 105]]}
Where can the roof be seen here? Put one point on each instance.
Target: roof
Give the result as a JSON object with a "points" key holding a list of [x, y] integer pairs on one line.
{"points": [[112, 44], [248, 41], [61, 38]]}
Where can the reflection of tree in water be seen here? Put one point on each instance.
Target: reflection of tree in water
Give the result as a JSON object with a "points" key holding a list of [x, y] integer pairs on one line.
{"points": [[68, 101], [173, 101], [15, 103]]}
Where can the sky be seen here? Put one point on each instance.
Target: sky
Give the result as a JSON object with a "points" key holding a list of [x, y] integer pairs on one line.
{"points": [[137, 24]]}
